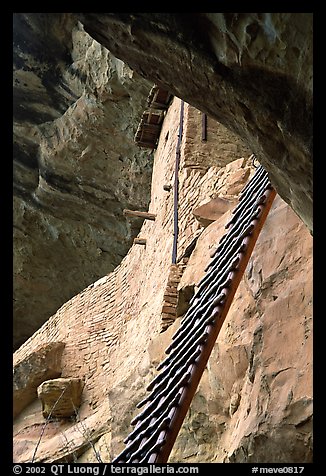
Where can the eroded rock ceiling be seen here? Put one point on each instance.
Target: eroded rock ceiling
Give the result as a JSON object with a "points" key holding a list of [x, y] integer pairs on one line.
{"points": [[76, 108], [250, 71]]}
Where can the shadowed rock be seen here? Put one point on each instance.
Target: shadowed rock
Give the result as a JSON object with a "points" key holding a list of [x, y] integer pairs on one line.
{"points": [[76, 166]]}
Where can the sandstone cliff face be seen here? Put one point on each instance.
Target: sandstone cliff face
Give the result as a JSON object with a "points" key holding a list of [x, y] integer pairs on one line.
{"points": [[76, 166], [250, 71], [254, 401]]}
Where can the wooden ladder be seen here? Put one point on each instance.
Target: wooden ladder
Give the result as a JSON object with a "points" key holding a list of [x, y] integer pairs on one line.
{"points": [[172, 390]]}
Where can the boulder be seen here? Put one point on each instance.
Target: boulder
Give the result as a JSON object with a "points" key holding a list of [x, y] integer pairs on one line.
{"points": [[42, 364], [60, 397], [212, 210]]}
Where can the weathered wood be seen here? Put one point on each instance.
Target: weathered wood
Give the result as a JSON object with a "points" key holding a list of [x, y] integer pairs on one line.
{"points": [[139, 241], [214, 329], [135, 213], [148, 145], [159, 98], [176, 187], [159, 105], [174, 387], [204, 127], [147, 127]]}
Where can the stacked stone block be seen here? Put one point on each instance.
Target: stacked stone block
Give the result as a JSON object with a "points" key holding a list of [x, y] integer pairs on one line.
{"points": [[170, 298]]}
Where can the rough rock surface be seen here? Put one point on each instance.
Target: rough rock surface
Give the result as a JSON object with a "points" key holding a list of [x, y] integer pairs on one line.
{"points": [[60, 397], [76, 166], [254, 401], [39, 365], [250, 71], [212, 210]]}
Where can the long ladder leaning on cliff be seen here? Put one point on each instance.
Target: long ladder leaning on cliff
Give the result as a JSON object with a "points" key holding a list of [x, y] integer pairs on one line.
{"points": [[172, 390], [176, 187]]}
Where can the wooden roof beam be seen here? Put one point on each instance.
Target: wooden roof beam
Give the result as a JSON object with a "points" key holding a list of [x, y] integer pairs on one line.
{"points": [[135, 213]]}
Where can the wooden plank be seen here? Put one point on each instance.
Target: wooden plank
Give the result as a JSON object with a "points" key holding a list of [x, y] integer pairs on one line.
{"points": [[140, 241], [204, 127], [135, 213]]}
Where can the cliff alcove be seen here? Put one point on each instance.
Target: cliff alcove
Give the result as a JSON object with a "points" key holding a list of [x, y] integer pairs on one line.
{"points": [[79, 280], [76, 165]]}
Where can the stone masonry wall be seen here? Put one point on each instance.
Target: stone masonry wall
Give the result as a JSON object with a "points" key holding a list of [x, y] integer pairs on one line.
{"points": [[112, 330], [107, 327]]}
